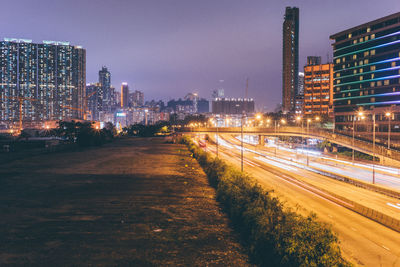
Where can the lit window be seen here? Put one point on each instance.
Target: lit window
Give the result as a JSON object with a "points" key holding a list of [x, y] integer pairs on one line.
{"points": [[372, 52], [372, 36], [354, 71], [372, 99], [368, 29], [354, 41], [366, 53], [372, 75], [372, 84], [361, 78], [354, 56], [393, 64], [386, 82], [349, 35], [338, 74], [379, 83], [337, 60], [348, 102], [366, 38], [361, 40], [373, 67], [361, 70], [366, 61]]}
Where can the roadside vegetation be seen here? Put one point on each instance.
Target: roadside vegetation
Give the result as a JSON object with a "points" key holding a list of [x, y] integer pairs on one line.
{"points": [[274, 235], [84, 133], [161, 128]]}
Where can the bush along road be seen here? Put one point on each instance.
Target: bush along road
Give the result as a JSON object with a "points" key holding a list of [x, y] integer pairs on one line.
{"points": [[273, 234]]}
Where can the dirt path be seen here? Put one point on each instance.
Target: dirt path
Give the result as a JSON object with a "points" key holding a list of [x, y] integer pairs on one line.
{"points": [[136, 202]]}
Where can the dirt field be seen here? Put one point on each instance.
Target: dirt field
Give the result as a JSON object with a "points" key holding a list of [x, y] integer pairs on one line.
{"points": [[136, 202]]}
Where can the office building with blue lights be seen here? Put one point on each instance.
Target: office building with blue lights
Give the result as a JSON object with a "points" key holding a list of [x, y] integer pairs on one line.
{"points": [[367, 75]]}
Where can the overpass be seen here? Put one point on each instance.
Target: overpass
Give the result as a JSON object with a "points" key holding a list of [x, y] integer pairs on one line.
{"points": [[386, 156]]}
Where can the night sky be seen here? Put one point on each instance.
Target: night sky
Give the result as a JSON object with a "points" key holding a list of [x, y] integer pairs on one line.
{"points": [[167, 48]]}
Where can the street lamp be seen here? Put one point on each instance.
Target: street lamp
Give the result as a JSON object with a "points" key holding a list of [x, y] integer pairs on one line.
{"points": [[373, 149], [389, 115], [241, 139], [308, 130], [360, 114], [298, 118], [259, 118], [268, 122]]}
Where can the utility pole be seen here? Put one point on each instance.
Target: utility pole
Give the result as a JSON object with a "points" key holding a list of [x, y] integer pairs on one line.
{"points": [[373, 150], [241, 141], [217, 139]]}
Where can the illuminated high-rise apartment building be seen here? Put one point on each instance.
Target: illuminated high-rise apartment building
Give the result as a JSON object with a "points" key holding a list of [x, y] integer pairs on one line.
{"points": [[367, 74], [290, 61], [105, 90], [124, 95], [50, 76]]}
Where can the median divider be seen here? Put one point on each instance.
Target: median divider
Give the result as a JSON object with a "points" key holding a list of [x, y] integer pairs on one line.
{"points": [[273, 234]]}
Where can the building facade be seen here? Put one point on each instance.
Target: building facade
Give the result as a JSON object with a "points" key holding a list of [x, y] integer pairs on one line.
{"points": [[318, 88], [48, 79], [367, 73], [105, 93], [290, 60], [137, 99], [94, 100], [124, 95], [232, 106]]}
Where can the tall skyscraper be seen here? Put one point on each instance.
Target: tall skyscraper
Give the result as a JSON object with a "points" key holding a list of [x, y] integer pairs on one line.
{"points": [[50, 75], [94, 101], [137, 98], [290, 68], [124, 95], [105, 89], [367, 75]]}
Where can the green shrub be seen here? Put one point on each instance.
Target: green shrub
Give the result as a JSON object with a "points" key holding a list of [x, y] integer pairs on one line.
{"points": [[275, 236]]}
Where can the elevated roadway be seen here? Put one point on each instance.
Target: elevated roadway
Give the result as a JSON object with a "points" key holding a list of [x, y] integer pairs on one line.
{"points": [[386, 156]]}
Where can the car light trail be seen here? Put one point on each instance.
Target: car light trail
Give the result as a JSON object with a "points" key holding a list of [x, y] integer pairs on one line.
{"points": [[392, 205]]}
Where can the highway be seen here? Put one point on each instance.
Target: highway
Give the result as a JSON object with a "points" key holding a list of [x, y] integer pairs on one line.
{"points": [[363, 241], [388, 177]]}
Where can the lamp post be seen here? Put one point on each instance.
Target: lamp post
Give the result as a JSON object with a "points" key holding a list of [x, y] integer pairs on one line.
{"points": [[373, 149], [360, 114], [308, 129], [259, 118], [389, 115], [241, 142], [298, 119]]}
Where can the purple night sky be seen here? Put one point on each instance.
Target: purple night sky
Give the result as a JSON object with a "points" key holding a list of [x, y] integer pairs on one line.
{"points": [[167, 48]]}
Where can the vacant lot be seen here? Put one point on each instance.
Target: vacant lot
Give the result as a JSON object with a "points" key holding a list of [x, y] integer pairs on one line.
{"points": [[136, 202]]}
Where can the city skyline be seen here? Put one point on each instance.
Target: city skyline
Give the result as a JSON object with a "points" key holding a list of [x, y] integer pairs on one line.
{"points": [[166, 51]]}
